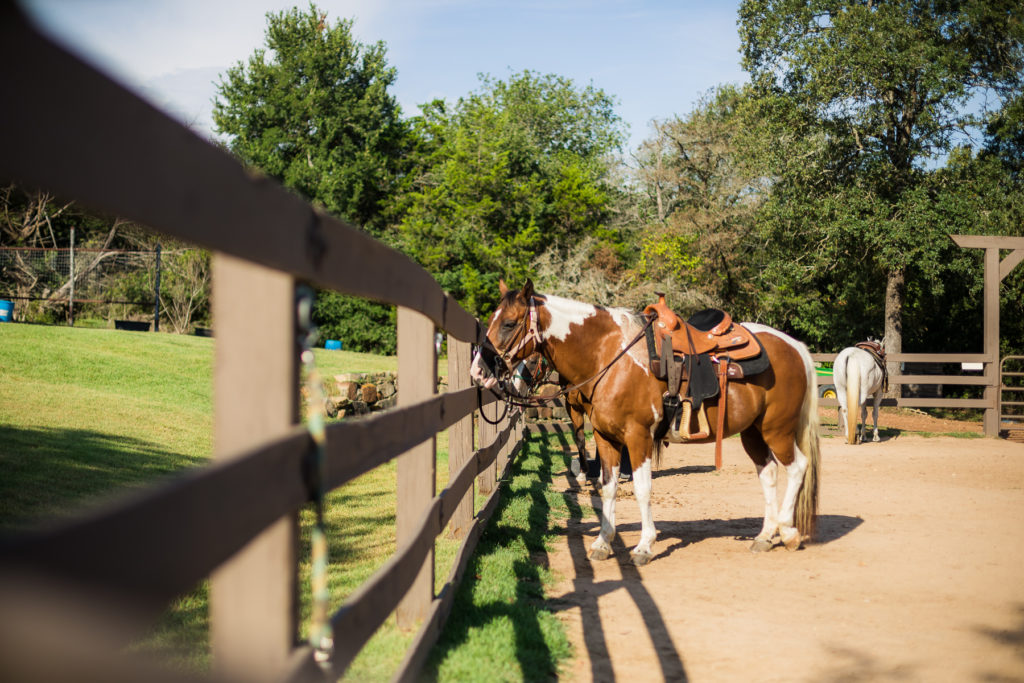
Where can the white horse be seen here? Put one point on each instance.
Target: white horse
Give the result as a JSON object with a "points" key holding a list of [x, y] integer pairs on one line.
{"points": [[857, 375]]}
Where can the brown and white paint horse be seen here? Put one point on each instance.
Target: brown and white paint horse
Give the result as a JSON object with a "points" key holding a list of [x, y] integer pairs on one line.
{"points": [[775, 412]]}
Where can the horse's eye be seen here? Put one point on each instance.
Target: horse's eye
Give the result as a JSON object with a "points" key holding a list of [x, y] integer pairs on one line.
{"points": [[508, 324]]}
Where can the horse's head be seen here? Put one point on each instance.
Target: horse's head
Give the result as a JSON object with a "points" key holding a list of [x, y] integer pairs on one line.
{"points": [[513, 334], [527, 374]]}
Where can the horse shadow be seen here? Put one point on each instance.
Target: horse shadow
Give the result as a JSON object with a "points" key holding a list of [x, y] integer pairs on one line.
{"points": [[884, 434], [683, 533]]}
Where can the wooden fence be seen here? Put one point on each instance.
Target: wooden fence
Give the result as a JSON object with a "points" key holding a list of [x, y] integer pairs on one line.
{"points": [[982, 379], [72, 596]]}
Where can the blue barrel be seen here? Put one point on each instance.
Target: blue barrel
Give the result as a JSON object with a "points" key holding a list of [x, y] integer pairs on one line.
{"points": [[332, 345], [6, 311]]}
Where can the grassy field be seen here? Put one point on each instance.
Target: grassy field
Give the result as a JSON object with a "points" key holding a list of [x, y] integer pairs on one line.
{"points": [[88, 413]]}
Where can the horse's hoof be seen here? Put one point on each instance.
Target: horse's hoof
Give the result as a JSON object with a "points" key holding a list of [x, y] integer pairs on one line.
{"points": [[792, 542], [574, 467], [640, 559], [599, 554], [761, 546]]}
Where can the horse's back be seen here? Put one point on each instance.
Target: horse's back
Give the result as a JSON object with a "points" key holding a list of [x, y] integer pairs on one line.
{"points": [[853, 359]]}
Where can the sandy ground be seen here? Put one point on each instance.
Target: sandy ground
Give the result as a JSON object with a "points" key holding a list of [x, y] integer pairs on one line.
{"points": [[916, 573]]}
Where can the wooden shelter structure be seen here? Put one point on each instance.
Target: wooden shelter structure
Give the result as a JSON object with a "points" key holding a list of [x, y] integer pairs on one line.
{"points": [[995, 271]]}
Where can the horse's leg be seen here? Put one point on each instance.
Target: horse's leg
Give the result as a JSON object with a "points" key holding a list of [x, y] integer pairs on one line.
{"points": [[757, 449], [878, 401], [601, 548], [862, 428], [641, 443], [785, 450], [580, 437]]}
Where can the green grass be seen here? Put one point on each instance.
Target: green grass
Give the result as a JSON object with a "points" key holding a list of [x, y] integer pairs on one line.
{"points": [[85, 413], [88, 413], [500, 627]]}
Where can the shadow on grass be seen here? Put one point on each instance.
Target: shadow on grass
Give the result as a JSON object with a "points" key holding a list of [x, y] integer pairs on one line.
{"points": [[54, 472], [500, 603]]}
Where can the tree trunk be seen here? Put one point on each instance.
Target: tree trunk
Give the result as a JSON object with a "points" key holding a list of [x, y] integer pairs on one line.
{"points": [[895, 286]]}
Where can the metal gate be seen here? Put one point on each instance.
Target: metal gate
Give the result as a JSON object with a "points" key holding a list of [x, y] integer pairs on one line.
{"points": [[1011, 395]]}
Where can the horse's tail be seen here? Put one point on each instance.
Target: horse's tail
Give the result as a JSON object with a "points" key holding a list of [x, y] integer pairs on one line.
{"points": [[656, 455], [852, 398], [806, 512]]}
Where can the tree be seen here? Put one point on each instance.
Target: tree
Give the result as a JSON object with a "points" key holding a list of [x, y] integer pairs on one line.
{"points": [[700, 201], [514, 169], [855, 100], [313, 110]]}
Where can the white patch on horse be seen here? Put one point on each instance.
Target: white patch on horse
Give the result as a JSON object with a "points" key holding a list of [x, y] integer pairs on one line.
{"points": [[805, 355], [630, 329], [481, 374], [565, 313]]}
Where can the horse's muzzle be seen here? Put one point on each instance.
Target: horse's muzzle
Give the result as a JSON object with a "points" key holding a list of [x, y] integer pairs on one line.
{"points": [[481, 372]]}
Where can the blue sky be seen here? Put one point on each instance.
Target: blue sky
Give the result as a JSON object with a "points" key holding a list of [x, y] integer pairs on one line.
{"points": [[656, 57]]}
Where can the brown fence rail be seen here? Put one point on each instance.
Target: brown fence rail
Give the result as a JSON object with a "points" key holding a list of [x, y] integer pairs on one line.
{"points": [[74, 595], [981, 379]]}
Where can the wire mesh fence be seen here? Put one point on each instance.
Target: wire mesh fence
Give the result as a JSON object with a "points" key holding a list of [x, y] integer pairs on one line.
{"points": [[60, 284]]}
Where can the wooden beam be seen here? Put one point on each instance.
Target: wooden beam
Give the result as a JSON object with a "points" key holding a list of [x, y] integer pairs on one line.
{"points": [[417, 469], [988, 241], [253, 596], [460, 435], [991, 318], [1011, 261], [489, 433]]}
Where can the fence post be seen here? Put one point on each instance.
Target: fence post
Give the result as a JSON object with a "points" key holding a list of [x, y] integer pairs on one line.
{"points": [[506, 423], [417, 381], [460, 435], [253, 605], [488, 479], [156, 293], [71, 277]]}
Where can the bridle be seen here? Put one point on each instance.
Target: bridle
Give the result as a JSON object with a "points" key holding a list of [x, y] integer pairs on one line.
{"points": [[530, 332]]}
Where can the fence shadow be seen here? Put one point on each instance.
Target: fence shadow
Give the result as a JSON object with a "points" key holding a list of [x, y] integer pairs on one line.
{"points": [[522, 518], [587, 592], [52, 472]]}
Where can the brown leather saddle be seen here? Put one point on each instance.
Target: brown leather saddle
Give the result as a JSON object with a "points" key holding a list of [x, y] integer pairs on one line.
{"points": [[710, 331], [878, 353], [696, 358]]}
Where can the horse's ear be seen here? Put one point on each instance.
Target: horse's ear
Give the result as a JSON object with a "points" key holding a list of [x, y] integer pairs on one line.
{"points": [[528, 289], [502, 287]]}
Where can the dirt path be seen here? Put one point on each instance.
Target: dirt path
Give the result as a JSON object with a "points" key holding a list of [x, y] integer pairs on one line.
{"points": [[917, 572]]}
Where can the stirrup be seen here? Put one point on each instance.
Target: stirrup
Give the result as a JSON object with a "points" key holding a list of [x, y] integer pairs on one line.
{"points": [[686, 435]]}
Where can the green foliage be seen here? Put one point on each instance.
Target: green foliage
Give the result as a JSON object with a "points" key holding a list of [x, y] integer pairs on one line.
{"points": [[313, 110], [852, 103], [515, 168], [359, 324], [697, 204]]}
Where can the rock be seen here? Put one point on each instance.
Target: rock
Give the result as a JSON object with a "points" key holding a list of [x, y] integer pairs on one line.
{"points": [[368, 393], [386, 388], [330, 407], [349, 390]]}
